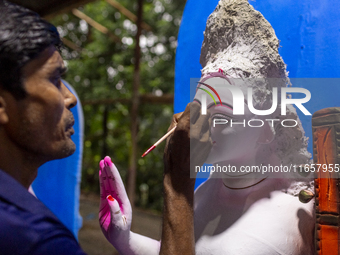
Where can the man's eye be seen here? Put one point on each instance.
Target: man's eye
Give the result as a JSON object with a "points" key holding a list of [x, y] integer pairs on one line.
{"points": [[56, 81]]}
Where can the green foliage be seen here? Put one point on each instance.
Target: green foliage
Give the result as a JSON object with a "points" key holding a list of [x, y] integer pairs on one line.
{"points": [[104, 70]]}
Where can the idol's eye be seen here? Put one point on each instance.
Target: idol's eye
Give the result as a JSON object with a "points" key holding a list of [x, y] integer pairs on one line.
{"points": [[220, 116], [220, 120]]}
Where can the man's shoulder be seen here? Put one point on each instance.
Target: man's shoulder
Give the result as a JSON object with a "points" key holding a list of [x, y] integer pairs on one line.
{"points": [[14, 217], [25, 232], [28, 226]]}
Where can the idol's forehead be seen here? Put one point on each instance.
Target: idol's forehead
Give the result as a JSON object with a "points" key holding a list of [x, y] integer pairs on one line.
{"points": [[215, 89]]}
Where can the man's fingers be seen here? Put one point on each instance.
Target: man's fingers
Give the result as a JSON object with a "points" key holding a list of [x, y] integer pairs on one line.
{"points": [[186, 113], [202, 125], [174, 120], [195, 112], [192, 121], [176, 117]]}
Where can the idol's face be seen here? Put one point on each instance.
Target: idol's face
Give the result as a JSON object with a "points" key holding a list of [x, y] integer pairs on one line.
{"points": [[233, 139], [41, 123]]}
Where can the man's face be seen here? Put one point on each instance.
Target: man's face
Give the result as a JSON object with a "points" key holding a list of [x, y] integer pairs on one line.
{"points": [[41, 123]]}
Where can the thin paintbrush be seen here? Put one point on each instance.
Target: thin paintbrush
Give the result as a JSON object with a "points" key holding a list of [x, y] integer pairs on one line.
{"points": [[159, 141]]}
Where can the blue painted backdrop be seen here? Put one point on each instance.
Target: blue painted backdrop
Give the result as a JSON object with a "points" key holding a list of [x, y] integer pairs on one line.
{"points": [[309, 31]]}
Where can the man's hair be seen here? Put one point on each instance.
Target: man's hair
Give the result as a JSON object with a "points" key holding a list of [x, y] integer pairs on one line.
{"points": [[23, 36]]}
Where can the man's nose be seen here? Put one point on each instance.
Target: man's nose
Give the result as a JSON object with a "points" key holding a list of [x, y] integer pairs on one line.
{"points": [[69, 98]]}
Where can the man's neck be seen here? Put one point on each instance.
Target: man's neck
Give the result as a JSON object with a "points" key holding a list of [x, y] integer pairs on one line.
{"points": [[21, 165], [25, 177]]}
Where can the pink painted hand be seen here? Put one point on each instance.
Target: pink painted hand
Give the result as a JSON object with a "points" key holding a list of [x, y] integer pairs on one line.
{"points": [[115, 213]]}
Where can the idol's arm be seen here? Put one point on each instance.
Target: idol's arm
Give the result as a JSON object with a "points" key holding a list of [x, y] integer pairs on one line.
{"points": [[115, 214]]}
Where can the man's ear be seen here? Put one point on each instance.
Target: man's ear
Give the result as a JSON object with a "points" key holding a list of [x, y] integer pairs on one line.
{"points": [[267, 135], [3, 112]]}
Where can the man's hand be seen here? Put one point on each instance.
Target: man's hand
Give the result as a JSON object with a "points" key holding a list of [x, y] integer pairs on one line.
{"points": [[190, 144]]}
